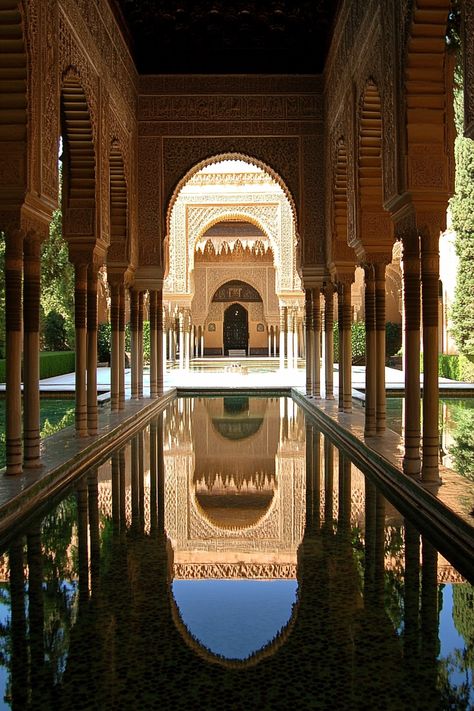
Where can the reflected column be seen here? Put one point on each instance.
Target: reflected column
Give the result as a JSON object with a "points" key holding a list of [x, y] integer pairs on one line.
{"points": [[122, 489], [344, 494], [429, 612], [153, 476], [134, 483], [35, 610], [94, 530], [328, 483], [116, 491], [411, 632], [370, 543], [19, 650], [161, 475], [82, 542]]}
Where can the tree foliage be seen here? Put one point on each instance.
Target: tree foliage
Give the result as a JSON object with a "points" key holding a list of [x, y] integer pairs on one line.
{"points": [[462, 208]]}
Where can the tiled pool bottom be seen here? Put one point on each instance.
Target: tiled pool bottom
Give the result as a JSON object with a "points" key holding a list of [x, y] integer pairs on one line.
{"points": [[229, 557]]}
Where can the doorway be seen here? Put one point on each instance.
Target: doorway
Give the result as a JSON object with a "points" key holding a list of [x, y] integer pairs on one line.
{"points": [[236, 329]]}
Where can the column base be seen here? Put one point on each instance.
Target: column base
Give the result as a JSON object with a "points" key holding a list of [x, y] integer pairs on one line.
{"points": [[412, 467], [32, 464], [13, 470]]}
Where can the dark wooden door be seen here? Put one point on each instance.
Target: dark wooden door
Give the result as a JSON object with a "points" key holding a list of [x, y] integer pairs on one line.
{"points": [[236, 328]]}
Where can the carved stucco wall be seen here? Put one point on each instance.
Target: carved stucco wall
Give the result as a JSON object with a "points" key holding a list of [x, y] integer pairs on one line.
{"points": [[192, 215], [277, 121]]}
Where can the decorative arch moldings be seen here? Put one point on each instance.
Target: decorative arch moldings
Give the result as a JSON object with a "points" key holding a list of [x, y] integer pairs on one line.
{"points": [[14, 118], [230, 156], [119, 247]]}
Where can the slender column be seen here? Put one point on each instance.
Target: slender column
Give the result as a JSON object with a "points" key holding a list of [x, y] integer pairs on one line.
{"points": [[295, 341], [159, 338], [347, 346], [181, 340], [140, 343], [170, 344], [134, 341], [329, 340], [430, 286], [289, 337], [370, 352], [283, 314], [411, 356], [115, 346], [316, 337], [121, 326], [309, 340], [80, 309], [340, 297], [274, 341], [92, 423], [269, 339], [31, 346], [381, 408], [154, 344], [202, 340], [13, 325]]}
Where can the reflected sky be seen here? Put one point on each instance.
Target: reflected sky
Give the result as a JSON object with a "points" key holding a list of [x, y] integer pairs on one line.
{"points": [[235, 618]]}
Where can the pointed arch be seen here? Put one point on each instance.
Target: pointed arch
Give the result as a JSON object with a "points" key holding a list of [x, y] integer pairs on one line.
{"points": [[340, 216], [370, 149]]}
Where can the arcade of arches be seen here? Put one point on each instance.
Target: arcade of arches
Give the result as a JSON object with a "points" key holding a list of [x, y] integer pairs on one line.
{"points": [[340, 166]]}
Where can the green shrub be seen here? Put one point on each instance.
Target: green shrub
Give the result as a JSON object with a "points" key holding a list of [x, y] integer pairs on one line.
{"points": [[357, 339], [52, 364], [104, 332], [466, 369], [146, 340], [448, 366], [54, 332], [393, 338]]}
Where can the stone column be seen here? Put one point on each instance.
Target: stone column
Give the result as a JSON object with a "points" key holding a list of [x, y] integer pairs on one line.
{"points": [[153, 343], [316, 337], [289, 337], [430, 286], [13, 326], [80, 316], [296, 341], [380, 328], [340, 375], [347, 345], [115, 345], [140, 343], [134, 341], [92, 423], [31, 347], [121, 326], [274, 341], [159, 339], [187, 339], [370, 352], [202, 340], [283, 314], [309, 340], [269, 340], [329, 340], [411, 356]]}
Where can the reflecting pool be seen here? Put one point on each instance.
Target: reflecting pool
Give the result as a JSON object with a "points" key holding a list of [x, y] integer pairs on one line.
{"points": [[230, 557]]}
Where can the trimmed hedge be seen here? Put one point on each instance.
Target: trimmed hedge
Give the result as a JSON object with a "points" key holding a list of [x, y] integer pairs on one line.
{"points": [[51, 364]]}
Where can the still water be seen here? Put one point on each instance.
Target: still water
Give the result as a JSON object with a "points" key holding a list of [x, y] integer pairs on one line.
{"points": [[229, 557]]}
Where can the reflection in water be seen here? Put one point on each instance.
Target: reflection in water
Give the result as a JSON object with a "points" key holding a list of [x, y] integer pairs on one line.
{"points": [[254, 571]]}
